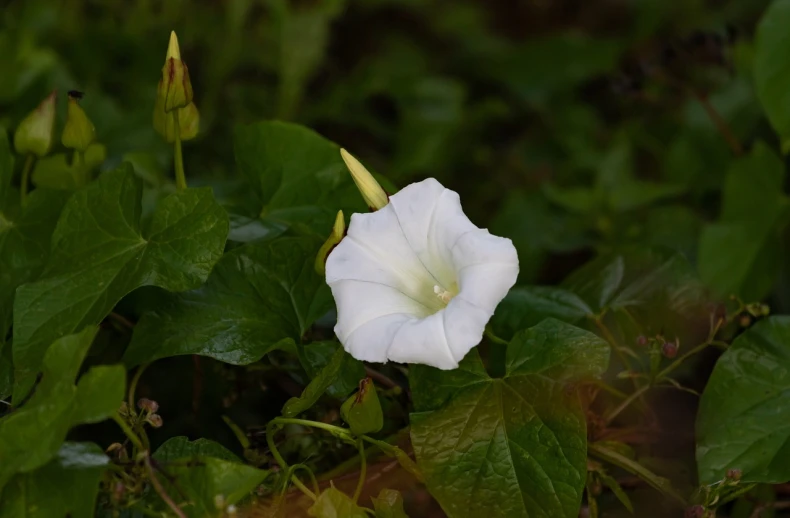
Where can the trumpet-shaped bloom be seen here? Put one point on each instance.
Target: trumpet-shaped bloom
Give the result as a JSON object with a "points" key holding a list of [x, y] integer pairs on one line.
{"points": [[416, 281]]}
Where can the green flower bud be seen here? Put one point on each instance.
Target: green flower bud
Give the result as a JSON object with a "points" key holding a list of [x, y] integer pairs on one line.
{"points": [[370, 189], [175, 88], [338, 231], [34, 133], [362, 411], [188, 121], [78, 133]]}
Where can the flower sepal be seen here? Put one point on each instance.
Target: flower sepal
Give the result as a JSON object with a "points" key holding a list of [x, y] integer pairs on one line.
{"points": [[34, 134], [338, 231]]}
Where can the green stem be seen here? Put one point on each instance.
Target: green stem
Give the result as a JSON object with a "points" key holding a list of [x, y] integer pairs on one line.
{"points": [[622, 406], [335, 430], [29, 161], [128, 431], [181, 179], [133, 385], [494, 338], [160, 490], [281, 461], [363, 470], [659, 483], [677, 363], [497, 355]]}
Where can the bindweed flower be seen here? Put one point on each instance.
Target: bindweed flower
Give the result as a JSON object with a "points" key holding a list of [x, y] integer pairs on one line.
{"points": [[416, 281], [34, 133], [78, 133]]}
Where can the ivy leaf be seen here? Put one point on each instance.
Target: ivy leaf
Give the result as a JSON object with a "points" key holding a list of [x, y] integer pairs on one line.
{"points": [[526, 306], [772, 71], [513, 446], [181, 447], [100, 253], [32, 435], [316, 356], [742, 422], [258, 296], [335, 504], [66, 486], [389, 504], [739, 253], [204, 481], [297, 175], [339, 366]]}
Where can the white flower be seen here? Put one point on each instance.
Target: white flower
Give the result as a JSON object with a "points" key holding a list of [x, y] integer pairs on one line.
{"points": [[416, 281]]}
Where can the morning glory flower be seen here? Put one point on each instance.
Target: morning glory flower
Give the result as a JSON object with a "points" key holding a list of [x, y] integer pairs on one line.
{"points": [[416, 281]]}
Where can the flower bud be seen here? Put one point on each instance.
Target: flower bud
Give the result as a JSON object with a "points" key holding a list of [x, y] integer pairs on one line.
{"points": [[734, 474], [641, 340], [175, 88], [370, 189], [745, 320], [669, 349], [338, 231], [155, 420], [188, 122], [695, 511], [78, 133], [148, 405], [362, 411], [34, 133]]}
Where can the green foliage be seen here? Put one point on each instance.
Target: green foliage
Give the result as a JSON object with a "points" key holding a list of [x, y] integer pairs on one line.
{"points": [[32, 436], [69, 484], [771, 71], [647, 204], [335, 504], [742, 417], [240, 314], [524, 433], [100, 252]]}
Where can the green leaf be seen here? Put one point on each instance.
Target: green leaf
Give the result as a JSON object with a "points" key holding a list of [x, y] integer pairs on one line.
{"points": [[100, 253], [513, 446], [335, 504], [362, 411], [204, 481], [32, 435], [742, 422], [24, 246], [60, 172], [524, 307], [739, 254], [181, 447], [772, 70], [337, 367], [297, 175], [316, 356], [637, 277], [66, 486], [258, 296], [389, 504]]}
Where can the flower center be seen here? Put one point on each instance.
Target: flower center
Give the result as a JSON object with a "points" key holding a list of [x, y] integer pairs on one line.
{"points": [[444, 295]]}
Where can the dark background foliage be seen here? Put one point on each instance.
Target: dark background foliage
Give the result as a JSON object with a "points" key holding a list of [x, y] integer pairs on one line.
{"points": [[574, 128]]}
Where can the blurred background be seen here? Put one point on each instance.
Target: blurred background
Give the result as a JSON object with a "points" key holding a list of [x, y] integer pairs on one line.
{"points": [[573, 127], [567, 125]]}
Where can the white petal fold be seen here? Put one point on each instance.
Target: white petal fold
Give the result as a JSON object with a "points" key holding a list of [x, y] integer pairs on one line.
{"points": [[386, 273]]}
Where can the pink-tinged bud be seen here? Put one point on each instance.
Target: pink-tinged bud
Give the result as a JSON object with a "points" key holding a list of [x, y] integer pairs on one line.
{"points": [[148, 405], [34, 134], [155, 420], [669, 349]]}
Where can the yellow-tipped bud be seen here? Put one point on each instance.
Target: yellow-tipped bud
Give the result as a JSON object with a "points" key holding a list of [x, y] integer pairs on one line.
{"points": [[175, 88], [370, 189], [34, 133], [78, 133], [188, 122], [338, 232]]}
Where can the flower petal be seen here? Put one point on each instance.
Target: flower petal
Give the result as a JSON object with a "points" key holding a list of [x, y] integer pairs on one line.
{"points": [[371, 341], [423, 341], [464, 325], [376, 251]]}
